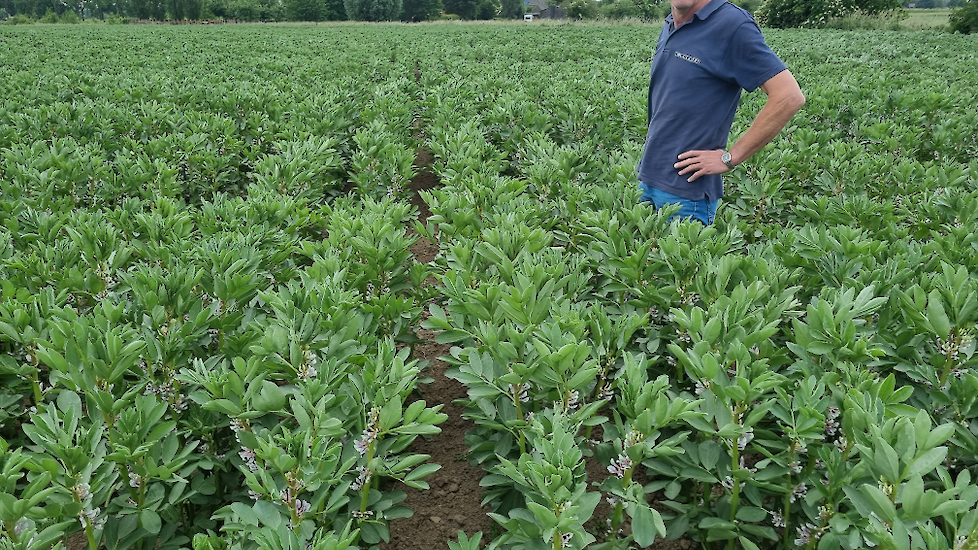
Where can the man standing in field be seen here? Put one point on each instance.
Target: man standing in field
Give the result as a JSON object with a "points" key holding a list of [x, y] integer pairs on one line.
{"points": [[709, 51]]}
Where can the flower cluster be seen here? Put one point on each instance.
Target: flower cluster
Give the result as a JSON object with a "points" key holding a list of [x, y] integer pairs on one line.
{"points": [[807, 533], [886, 487], [633, 438], [521, 392], [746, 438], [369, 433], [363, 477], [90, 518], [620, 465], [238, 425], [310, 360], [169, 393], [249, 458], [82, 494], [728, 483], [135, 480], [572, 400], [366, 514], [799, 492], [831, 421]]}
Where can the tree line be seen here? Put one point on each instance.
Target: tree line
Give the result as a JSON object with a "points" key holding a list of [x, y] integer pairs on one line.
{"points": [[259, 10]]}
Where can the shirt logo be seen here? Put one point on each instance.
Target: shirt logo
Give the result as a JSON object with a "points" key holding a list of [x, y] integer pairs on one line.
{"points": [[687, 57]]}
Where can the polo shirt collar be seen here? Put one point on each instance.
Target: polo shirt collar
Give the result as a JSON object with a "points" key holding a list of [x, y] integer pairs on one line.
{"points": [[702, 13]]}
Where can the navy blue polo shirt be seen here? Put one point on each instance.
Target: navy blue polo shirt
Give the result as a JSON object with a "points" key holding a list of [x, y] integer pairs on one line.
{"points": [[698, 72]]}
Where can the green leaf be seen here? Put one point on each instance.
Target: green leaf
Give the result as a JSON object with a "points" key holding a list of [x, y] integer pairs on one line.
{"points": [[546, 518], [911, 495], [271, 398], [925, 463], [751, 514], [150, 521], [936, 314], [245, 513], [645, 525], [938, 435], [709, 454], [422, 471], [225, 406], [879, 502]]}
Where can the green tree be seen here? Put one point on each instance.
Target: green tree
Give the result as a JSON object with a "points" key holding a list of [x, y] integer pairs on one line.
{"points": [[486, 9], [25, 7], [816, 13], [373, 10], [646, 10], [581, 9], [511, 9], [965, 18], [334, 11], [305, 10], [140, 9], [420, 10], [245, 10], [157, 9], [463, 8]]}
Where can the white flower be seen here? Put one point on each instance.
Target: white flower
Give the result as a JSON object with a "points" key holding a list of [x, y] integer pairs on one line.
{"points": [[805, 534], [82, 491], [620, 465], [362, 479], [743, 440], [799, 492]]}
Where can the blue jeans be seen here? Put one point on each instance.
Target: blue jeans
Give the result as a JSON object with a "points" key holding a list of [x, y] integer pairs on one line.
{"points": [[703, 210]]}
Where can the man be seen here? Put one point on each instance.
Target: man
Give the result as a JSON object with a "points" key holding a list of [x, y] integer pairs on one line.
{"points": [[709, 51]]}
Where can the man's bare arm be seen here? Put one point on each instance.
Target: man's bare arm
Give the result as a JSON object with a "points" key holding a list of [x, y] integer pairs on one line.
{"points": [[784, 99]]}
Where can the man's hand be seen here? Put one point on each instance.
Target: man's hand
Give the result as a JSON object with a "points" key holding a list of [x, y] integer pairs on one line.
{"points": [[701, 163], [784, 98]]}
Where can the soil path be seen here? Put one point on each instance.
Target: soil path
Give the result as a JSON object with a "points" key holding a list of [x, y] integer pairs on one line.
{"points": [[452, 504]]}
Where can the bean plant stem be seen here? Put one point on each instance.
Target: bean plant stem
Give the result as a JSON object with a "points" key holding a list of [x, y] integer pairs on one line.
{"points": [[618, 513], [735, 496], [519, 414], [787, 501], [949, 360], [38, 396], [90, 534]]}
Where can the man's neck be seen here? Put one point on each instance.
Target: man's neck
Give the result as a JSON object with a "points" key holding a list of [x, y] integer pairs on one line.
{"points": [[680, 16]]}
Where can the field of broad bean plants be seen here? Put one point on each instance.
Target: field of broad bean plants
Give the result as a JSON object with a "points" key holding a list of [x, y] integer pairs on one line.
{"points": [[216, 330]]}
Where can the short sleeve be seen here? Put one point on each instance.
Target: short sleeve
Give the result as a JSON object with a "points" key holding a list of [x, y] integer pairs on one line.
{"points": [[750, 61]]}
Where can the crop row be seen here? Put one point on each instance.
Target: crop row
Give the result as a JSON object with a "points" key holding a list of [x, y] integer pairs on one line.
{"points": [[799, 375], [207, 299]]}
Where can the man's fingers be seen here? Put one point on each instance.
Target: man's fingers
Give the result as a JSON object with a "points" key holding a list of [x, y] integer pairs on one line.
{"points": [[699, 163]]}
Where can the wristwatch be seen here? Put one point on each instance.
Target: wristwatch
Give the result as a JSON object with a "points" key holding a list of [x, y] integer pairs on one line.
{"points": [[726, 160]]}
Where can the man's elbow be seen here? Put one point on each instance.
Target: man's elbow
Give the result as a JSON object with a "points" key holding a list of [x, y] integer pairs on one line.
{"points": [[796, 101]]}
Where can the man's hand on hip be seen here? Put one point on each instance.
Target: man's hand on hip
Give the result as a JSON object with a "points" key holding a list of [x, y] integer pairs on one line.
{"points": [[701, 163]]}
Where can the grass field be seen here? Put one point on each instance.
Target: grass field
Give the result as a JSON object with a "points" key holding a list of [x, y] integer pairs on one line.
{"points": [[918, 19]]}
